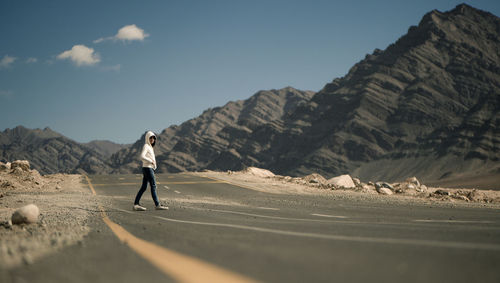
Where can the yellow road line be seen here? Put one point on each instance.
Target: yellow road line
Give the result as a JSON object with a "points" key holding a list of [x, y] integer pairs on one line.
{"points": [[90, 185], [170, 183], [180, 267]]}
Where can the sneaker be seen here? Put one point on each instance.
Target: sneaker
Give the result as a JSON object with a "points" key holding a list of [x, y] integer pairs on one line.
{"points": [[161, 207], [138, 207]]}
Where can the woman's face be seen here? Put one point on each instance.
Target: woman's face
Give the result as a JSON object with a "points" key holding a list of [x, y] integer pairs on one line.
{"points": [[152, 140]]}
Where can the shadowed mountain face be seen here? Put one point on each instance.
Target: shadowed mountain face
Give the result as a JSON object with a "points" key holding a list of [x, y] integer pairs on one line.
{"points": [[428, 106], [105, 148], [202, 142], [50, 152]]}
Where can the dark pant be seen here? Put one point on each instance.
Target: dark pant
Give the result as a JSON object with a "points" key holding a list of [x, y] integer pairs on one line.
{"points": [[148, 176]]}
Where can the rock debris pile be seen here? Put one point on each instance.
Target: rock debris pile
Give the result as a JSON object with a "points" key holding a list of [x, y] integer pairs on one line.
{"points": [[410, 187]]}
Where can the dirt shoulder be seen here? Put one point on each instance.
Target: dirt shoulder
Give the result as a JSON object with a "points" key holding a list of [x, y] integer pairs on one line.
{"points": [[314, 184], [66, 206]]}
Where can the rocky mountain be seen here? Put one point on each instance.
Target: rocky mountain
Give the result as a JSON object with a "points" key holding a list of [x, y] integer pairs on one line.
{"points": [[50, 152], [202, 142], [105, 148], [427, 105]]}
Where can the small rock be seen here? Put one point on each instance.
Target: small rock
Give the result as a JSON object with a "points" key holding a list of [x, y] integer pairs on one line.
{"points": [[387, 185], [411, 186], [7, 224], [23, 164], [442, 192], [371, 183], [58, 187], [4, 167], [384, 191], [26, 214], [17, 171], [423, 188], [356, 181], [414, 181], [315, 178]]}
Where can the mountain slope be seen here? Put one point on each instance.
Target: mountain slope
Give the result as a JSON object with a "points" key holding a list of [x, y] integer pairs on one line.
{"points": [[196, 143], [427, 105], [105, 148], [50, 152]]}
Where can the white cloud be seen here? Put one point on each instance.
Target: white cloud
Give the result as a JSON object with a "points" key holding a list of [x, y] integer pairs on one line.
{"points": [[31, 60], [6, 61], [126, 33], [81, 55], [131, 32]]}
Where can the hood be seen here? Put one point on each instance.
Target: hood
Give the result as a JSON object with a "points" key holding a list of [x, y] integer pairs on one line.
{"points": [[148, 135]]}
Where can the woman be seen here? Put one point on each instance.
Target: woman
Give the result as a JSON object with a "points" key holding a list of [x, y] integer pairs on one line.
{"points": [[148, 165]]}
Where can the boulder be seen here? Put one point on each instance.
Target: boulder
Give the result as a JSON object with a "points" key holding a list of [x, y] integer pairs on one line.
{"points": [[414, 181], [342, 181], [263, 173], [23, 164], [384, 191], [26, 214], [357, 182]]}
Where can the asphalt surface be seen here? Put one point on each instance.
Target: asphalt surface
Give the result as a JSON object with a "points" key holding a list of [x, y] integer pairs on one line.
{"points": [[278, 238]]}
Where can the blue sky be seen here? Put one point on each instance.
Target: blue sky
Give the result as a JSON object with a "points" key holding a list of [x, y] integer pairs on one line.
{"points": [[175, 59]]}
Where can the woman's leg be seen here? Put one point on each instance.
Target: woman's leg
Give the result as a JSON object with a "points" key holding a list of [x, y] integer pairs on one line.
{"points": [[152, 182], [143, 187]]}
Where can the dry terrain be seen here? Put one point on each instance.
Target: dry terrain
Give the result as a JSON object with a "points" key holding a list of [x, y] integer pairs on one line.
{"points": [[65, 205], [408, 191]]}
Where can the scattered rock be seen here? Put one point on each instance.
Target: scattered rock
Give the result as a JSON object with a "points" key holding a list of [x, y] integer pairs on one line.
{"points": [[384, 191], [6, 224], [315, 178], [414, 181], [344, 181], [27, 214], [411, 186], [23, 164], [442, 192], [4, 167], [387, 185], [356, 181]]}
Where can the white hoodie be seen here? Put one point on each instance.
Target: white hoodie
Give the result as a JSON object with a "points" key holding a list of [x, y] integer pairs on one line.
{"points": [[148, 154]]}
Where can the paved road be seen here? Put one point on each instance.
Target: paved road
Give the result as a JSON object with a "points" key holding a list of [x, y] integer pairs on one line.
{"points": [[277, 238]]}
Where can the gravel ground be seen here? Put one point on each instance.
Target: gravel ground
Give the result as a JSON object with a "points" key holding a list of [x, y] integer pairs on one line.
{"points": [[66, 206]]}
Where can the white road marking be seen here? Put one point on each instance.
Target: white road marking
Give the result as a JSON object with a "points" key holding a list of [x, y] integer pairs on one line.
{"points": [[390, 241], [166, 187], [268, 208], [177, 192], [330, 216], [121, 178], [452, 221]]}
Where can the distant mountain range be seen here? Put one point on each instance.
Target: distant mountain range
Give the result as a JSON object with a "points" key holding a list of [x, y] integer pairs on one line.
{"points": [[428, 105], [51, 152]]}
